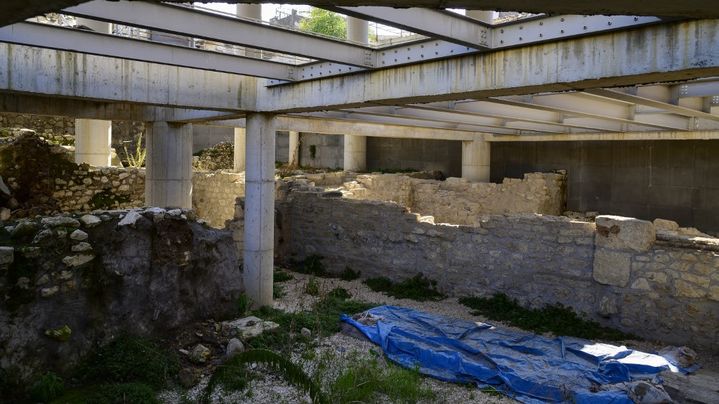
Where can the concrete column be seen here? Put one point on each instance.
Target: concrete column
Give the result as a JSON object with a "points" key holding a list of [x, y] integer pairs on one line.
{"points": [[97, 26], [168, 178], [355, 153], [259, 237], [481, 15], [294, 158], [475, 160], [239, 155], [93, 138], [355, 147]]}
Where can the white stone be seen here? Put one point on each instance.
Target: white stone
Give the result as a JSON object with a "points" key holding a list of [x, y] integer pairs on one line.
{"points": [[78, 235], [234, 346], [130, 218], [200, 354], [56, 221], [665, 225], [641, 284], [47, 292], [624, 233], [90, 220], [175, 212], [612, 267], [5, 214], [249, 327], [155, 210], [77, 260], [82, 247]]}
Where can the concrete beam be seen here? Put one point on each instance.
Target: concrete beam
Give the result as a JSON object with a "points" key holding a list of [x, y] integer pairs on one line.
{"points": [[626, 136], [17, 10], [574, 64], [53, 37], [199, 24], [46, 72]]}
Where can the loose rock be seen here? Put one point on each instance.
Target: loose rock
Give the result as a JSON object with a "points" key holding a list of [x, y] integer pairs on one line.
{"points": [[234, 346], [90, 220], [200, 354], [78, 235], [57, 221]]}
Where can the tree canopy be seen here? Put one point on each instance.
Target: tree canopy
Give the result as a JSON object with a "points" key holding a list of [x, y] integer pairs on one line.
{"points": [[325, 22]]}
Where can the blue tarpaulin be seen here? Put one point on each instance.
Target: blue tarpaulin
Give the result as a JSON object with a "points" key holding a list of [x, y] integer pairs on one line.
{"points": [[528, 367]]}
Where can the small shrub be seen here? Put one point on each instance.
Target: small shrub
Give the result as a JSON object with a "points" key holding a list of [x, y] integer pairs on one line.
{"points": [[47, 388], [243, 304], [312, 287], [349, 275], [136, 159], [129, 359], [416, 288], [557, 319], [278, 291], [312, 265], [282, 276]]}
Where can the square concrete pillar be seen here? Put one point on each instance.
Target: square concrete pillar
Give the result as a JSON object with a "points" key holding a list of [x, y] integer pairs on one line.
{"points": [[168, 179], [239, 155]]}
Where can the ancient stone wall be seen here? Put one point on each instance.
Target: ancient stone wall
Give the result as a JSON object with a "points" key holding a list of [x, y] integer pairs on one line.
{"points": [[615, 272], [214, 194], [459, 201], [69, 282], [88, 189]]}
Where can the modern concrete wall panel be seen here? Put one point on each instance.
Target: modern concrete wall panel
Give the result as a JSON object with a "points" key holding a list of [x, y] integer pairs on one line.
{"points": [[420, 154]]}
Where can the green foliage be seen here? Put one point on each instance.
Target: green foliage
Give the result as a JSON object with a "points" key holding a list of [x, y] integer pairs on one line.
{"points": [[281, 276], [349, 275], [557, 319], [312, 287], [339, 293], [123, 393], [47, 388], [243, 304], [365, 379], [313, 151], [235, 369], [278, 291], [325, 22], [416, 288], [136, 159], [130, 359], [312, 265]]}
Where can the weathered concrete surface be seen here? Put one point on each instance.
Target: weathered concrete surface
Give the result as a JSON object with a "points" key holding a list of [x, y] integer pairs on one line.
{"points": [[672, 51], [66, 74], [151, 276], [18, 10]]}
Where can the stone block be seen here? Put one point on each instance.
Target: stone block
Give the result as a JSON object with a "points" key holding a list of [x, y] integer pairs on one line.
{"points": [[624, 233], [686, 289], [612, 267], [7, 255]]}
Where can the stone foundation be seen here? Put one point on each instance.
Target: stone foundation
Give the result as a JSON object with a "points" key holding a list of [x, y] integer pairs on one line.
{"points": [[70, 282], [214, 194], [616, 272]]}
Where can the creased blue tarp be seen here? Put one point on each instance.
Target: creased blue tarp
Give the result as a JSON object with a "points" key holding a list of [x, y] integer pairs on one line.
{"points": [[528, 367]]}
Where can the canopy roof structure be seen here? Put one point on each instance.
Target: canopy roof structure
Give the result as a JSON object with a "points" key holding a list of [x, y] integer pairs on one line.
{"points": [[545, 75]]}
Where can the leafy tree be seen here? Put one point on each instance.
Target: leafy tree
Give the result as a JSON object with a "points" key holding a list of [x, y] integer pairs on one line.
{"points": [[325, 22]]}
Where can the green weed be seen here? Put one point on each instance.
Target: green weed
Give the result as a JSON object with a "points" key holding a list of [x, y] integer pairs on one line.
{"points": [[349, 275], [557, 319], [416, 288], [312, 287]]}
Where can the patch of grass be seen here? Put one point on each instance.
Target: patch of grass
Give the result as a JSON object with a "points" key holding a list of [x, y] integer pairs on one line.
{"points": [[243, 304], [47, 388], [278, 291], [312, 287], [323, 320], [349, 275], [339, 293], [416, 288], [312, 265], [281, 276], [129, 359], [123, 393], [365, 379], [557, 319]]}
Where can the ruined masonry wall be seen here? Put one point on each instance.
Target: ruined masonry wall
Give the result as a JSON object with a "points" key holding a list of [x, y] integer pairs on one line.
{"points": [[459, 201], [101, 188], [214, 194], [615, 271]]}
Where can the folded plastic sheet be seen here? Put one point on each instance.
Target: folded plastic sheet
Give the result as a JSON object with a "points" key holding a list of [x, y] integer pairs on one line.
{"points": [[528, 367]]}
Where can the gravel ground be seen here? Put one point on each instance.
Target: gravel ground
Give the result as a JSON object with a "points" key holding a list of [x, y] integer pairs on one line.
{"points": [[340, 350]]}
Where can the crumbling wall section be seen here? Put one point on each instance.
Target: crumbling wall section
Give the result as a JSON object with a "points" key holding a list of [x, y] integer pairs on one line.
{"points": [[214, 194], [615, 271], [69, 282]]}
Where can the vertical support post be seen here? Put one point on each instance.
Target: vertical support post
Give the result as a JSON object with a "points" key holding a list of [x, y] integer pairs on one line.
{"points": [[355, 147], [93, 139], [475, 160], [239, 155], [168, 178], [259, 237], [294, 158]]}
